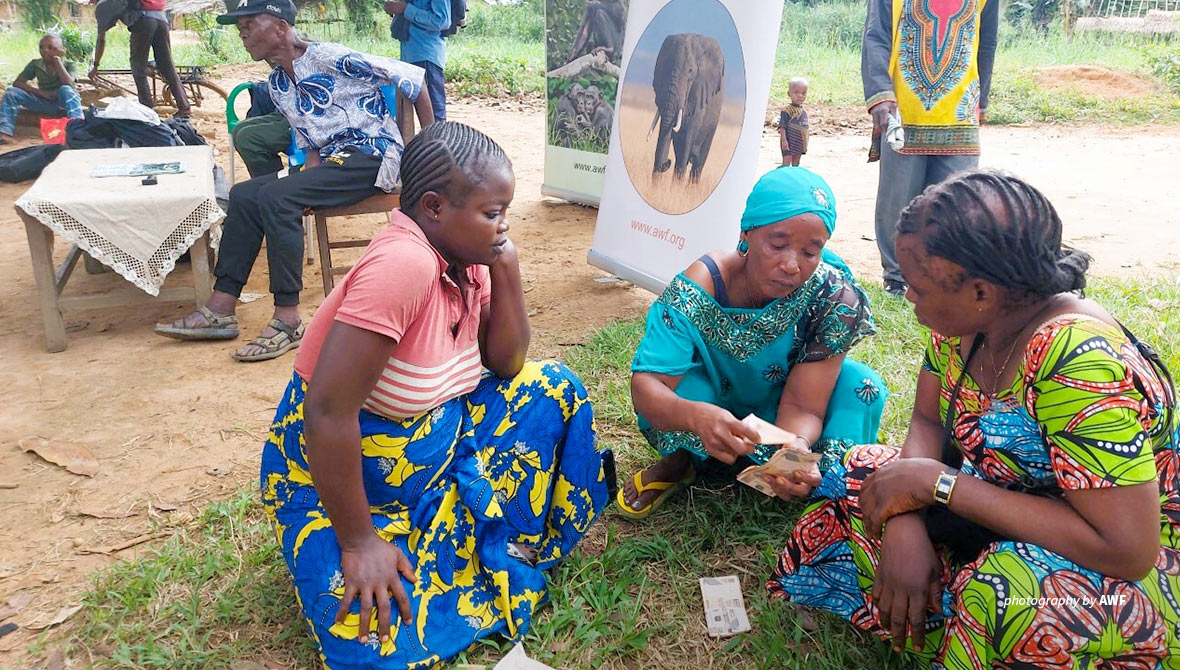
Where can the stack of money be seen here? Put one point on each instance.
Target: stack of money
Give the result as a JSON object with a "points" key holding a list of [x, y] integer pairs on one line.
{"points": [[785, 461]]}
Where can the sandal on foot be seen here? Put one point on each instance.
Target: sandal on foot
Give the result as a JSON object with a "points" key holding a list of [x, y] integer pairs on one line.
{"points": [[666, 490], [216, 328], [275, 345]]}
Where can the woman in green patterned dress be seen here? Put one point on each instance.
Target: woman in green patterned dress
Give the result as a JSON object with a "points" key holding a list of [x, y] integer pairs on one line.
{"points": [[1030, 519], [761, 330]]}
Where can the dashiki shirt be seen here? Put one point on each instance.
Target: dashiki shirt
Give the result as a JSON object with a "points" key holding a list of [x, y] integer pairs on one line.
{"points": [[739, 358], [793, 120], [934, 59], [1085, 411], [336, 103]]}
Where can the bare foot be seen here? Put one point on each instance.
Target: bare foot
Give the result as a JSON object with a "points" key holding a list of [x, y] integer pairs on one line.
{"points": [[670, 468], [5, 139]]}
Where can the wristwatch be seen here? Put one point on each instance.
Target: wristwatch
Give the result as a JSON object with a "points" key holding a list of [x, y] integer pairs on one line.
{"points": [[944, 486]]}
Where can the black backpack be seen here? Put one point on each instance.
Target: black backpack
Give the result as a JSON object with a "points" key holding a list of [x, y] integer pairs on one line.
{"points": [[458, 17], [27, 163]]}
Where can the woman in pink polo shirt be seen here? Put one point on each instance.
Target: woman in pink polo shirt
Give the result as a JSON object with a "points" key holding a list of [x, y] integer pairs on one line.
{"points": [[440, 508]]}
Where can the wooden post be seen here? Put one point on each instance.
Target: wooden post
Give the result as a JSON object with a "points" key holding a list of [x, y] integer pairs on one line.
{"points": [[1067, 18], [41, 253], [199, 261]]}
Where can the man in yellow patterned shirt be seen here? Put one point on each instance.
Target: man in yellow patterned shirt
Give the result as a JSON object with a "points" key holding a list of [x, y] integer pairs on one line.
{"points": [[929, 62]]}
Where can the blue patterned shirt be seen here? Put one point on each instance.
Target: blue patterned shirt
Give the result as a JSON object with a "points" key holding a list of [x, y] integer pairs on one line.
{"points": [[336, 103]]}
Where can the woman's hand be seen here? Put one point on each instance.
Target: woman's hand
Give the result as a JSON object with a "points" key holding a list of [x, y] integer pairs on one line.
{"points": [[371, 574], [506, 256], [799, 485], [905, 485], [722, 434], [907, 582]]}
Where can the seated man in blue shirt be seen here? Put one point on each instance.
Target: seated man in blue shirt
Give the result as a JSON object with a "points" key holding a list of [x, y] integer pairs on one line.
{"points": [[423, 44], [54, 93], [333, 99]]}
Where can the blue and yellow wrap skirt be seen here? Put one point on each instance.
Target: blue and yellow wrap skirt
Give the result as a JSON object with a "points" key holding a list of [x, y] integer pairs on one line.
{"points": [[513, 462]]}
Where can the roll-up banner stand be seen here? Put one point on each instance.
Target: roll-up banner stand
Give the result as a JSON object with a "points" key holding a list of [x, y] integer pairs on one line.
{"points": [[687, 129], [583, 49]]}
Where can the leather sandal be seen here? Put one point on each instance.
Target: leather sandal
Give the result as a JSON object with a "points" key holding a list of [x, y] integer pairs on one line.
{"points": [[276, 345], [666, 489], [216, 328]]}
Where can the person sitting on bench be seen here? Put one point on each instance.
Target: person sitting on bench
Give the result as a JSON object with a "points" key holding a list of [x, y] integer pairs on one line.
{"points": [[333, 99]]}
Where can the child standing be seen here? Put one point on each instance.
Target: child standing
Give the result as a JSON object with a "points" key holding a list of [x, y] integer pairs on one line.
{"points": [[792, 123]]}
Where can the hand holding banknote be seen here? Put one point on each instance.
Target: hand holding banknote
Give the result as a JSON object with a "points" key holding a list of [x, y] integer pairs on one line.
{"points": [[723, 436], [790, 473]]}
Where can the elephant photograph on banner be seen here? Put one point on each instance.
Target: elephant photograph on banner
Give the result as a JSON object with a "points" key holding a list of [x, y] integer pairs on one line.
{"points": [[683, 100], [584, 45]]}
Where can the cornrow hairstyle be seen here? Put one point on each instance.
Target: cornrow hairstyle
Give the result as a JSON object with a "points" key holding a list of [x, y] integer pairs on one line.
{"points": [[999, 228], [434, 156]]}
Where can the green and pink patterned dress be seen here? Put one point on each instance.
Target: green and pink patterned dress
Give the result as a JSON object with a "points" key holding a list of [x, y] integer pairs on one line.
{"points": [[1086, 411]]}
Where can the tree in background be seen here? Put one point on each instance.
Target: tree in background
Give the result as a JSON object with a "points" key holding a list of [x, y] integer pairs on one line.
{"points": [[38, 14]]}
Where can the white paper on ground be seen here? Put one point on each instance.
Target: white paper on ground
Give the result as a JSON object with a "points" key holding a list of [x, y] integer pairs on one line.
{"points": [[725, 611], [518, 660]]}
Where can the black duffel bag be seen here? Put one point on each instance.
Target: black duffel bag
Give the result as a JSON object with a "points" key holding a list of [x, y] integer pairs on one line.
{"points": [[27, 163]]}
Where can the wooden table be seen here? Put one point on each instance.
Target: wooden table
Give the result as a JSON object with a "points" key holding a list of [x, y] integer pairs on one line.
{"points": [[51, 280]]}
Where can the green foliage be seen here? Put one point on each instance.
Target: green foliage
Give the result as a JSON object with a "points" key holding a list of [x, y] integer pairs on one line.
{"points": [[38, 14], [827, 25], [1165, 65], [524, 22], [362, 15], [1034, 13], [213, 34], [491, 74], [78, 43]]}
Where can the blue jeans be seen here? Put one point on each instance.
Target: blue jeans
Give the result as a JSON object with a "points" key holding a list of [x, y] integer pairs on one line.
{"points": [[67, 104], [434, 84]]}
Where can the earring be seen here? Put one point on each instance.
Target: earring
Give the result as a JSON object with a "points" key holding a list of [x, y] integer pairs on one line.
{"points": [[743, 248]]}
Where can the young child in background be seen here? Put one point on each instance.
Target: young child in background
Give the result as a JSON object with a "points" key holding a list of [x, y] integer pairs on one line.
{"points": [[792, 123]]}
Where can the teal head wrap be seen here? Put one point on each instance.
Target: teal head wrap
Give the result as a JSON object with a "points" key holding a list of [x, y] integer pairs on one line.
{"points": [[785, 192]]}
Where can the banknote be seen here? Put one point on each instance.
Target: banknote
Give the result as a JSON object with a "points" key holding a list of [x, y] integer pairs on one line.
{"points": [[784, 462], [768, 433], [725, 611]]}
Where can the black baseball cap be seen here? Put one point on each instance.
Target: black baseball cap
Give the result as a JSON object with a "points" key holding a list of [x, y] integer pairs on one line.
{"points": [[283, 9]]}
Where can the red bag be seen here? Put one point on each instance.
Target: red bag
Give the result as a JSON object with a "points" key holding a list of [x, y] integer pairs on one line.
{"points": [[53, 131], [152, 5]]}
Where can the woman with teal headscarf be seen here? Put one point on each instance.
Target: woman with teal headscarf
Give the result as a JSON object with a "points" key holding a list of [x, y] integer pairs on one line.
{"points": [[763, 329]]}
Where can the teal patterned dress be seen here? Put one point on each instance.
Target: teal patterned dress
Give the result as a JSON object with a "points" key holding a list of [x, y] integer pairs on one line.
{"points": [[739, 358]]}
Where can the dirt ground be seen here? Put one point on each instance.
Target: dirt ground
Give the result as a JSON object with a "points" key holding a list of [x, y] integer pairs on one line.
{"points": [[176, 425]]}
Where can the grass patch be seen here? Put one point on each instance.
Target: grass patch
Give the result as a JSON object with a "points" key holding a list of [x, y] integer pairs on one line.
{"points": [[217, 591]]}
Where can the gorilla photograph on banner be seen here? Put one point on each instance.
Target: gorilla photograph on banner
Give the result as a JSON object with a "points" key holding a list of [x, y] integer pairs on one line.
{"points": [[583, 50], [683, 102]]}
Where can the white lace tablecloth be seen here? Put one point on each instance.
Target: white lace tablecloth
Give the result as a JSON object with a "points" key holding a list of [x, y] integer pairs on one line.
{"points": [[137, 230]]}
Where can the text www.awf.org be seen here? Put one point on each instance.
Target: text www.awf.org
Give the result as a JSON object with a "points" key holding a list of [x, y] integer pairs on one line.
{"points": [[1067, 601], [664, 234]]}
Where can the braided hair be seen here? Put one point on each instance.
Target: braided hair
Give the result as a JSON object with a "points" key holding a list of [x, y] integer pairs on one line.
{"points": [[434, 156], [997, 228]]}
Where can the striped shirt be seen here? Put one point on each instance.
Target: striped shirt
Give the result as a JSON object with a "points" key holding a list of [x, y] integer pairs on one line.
{"points": [[400, 289]]}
